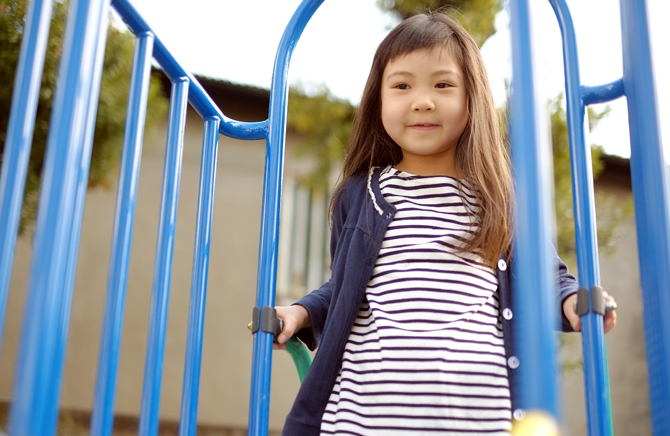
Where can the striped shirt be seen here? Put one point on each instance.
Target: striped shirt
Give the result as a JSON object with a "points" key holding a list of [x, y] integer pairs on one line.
{"points": [[426, 353]]}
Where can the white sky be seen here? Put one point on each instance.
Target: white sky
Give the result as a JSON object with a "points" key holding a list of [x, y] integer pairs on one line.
{"points": [[236, 40]]}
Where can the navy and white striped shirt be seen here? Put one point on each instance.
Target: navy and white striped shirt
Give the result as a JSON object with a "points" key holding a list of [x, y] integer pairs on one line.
{"points": [[426, 353]]}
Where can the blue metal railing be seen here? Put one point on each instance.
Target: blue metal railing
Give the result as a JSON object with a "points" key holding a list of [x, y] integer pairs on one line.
{"points": [[44, 334], [595, 357], [535, 316], [652, 211], [103, 408]]}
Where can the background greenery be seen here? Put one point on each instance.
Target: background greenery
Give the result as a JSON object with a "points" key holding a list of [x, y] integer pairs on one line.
{"points": [[110, 122]]}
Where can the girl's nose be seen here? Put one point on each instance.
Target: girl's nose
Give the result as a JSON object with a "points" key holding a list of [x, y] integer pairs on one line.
{"points": [[423, 102]]}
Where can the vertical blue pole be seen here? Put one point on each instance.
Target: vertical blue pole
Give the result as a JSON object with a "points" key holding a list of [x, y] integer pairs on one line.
{"points": [[596, 381], [103, 409], [153, 370], [196, 323], [650, 193], [54, 382], [42, 345], [534, 269], [19, 138], [259, 407]]}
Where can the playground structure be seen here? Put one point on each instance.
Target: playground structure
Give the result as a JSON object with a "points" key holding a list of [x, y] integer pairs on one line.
{"points": [[41, 354]]}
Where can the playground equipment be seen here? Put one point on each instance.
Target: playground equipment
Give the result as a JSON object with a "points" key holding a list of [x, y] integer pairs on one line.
{"points": [[38, 376]]}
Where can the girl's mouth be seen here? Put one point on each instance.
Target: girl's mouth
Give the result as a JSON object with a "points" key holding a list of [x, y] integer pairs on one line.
{"points": [[423, 126]]}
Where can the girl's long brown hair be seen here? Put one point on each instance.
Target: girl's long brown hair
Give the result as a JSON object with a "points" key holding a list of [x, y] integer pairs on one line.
{"points": [[481, 154]]}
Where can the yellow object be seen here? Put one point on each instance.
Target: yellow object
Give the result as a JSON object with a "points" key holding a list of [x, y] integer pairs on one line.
{"points": [[536, 423]]}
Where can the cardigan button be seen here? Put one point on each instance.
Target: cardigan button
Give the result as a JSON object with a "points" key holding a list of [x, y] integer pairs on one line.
{"points": [[502, 265], [507, 313], [519, 414], [513, 362], [389, 215]]}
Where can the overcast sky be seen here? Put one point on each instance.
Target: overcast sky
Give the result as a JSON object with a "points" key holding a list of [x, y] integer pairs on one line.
{"points": [[236, 40]]}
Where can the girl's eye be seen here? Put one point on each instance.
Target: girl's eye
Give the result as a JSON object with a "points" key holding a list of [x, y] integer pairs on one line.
{"points": [[402, 86], [442, 85]]}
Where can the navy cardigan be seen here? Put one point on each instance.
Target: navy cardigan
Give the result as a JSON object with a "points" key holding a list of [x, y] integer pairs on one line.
{"points": [[360, 218]]}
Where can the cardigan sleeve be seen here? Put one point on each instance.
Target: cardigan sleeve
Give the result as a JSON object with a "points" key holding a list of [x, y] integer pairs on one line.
{"points": [[567, 286], [317, 302]]}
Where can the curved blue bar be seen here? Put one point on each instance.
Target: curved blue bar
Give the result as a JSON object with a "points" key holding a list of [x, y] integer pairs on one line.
{"points": [[603, 93], [198, 98], [20, 127], [596, 377], [35, 404], [534, 270], [196, 319], [652, 210], [153, 369], [103, 408], [259, 407]]}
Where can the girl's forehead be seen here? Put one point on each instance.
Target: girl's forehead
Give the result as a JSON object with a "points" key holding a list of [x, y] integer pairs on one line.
{"points": [[436, 54]]}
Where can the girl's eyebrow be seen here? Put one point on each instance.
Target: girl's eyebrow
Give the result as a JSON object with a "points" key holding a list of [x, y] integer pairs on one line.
{"points": [[446, 72]]}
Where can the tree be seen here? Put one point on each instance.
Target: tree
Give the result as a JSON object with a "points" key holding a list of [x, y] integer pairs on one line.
{"points": [[110, 122], [477, 16], [325, 122]]}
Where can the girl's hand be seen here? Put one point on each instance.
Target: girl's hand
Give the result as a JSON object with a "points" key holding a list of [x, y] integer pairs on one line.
{"points": [[609, 319], [295, 318]]}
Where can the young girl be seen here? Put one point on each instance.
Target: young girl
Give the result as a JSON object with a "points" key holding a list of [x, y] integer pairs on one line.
{"points": [[414, 326]]}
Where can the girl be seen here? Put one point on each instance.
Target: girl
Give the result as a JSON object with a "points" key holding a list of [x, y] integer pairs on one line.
{"points": [[414, 326]]}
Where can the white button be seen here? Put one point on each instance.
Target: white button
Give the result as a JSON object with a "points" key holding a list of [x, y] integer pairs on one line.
{"points": [[502, 265], [513, 362], [519, 414], [388, 215], [507, 314]]}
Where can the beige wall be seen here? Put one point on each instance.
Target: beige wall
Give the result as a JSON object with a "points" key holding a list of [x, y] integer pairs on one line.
{"points": [[225, 377]]}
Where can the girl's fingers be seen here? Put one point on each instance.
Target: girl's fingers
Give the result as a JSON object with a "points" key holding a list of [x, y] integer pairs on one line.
{"points": [[290, 316], [610, 321], [569, 311]]}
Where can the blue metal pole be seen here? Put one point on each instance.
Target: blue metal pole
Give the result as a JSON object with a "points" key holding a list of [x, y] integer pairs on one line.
{"points": [[103, 409], [19, 137], [652, 213], [47, 305], [54, 385], [164, 250], [198, 98], [196, 323], [534, 270], [596, 378], [259, 407]]}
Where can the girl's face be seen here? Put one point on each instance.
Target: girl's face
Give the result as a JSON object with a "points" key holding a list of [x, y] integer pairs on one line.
{"points": [[424, 110]]}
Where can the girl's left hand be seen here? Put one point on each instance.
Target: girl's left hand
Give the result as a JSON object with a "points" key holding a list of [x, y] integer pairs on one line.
{"points": [[609, 319]]}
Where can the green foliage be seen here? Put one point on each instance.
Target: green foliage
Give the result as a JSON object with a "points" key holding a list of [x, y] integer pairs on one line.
{"points": [[611, 212], [326, 123], [477, 16], [110, 122]]}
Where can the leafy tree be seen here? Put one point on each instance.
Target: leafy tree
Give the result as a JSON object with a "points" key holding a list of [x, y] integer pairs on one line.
{"points": [[477, 16], [325, 122], [111, 113]]}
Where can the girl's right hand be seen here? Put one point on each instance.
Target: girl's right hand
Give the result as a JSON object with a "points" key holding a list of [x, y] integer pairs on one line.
{"points": [[295, 318]]}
